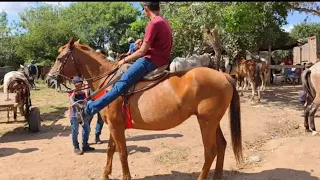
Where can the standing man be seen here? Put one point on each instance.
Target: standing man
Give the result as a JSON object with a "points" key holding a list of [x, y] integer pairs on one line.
{"points": [[155, 52]]}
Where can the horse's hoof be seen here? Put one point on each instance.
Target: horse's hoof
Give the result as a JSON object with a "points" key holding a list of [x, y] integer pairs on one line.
{"points": [[307, 130]]}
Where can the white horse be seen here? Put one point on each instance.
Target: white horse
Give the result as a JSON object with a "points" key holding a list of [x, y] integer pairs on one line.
{"points": [[182, 64], [11, 77]]}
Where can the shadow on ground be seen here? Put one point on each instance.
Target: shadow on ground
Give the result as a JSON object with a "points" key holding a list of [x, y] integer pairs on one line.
{"points": [[10, 151], [148, 137], [131, 149], [47, 131], [58, 113], [278, 96], [274, 174]]}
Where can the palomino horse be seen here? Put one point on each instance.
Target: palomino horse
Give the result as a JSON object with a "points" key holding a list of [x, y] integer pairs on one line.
{"points": [[203, 92], [249, 70], [43, 71], [310, 79]]}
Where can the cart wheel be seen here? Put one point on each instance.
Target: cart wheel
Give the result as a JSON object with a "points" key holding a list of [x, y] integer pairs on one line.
{"points": [[34, 119]]}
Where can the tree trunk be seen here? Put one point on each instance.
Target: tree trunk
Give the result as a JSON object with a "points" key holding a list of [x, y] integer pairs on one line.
{"points": [[269, 62], [214, 40]]}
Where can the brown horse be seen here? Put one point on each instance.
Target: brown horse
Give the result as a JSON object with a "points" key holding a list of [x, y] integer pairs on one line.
{"points": [[43, 71], [249, 70], [311, 84], [203, 92]]}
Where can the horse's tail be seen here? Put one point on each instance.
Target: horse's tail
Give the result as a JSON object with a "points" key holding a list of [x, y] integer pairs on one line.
{"points": [[235, 121], [306, 84]]}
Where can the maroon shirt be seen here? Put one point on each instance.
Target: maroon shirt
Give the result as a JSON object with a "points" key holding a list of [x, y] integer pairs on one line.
{"points": [[159, 35]]}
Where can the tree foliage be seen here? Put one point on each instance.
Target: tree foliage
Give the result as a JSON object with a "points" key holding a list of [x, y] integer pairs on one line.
{"points": [[229, 26], [305, 30]]}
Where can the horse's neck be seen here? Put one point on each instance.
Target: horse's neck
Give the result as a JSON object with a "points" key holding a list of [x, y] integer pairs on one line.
{"points": [[95, 68]]}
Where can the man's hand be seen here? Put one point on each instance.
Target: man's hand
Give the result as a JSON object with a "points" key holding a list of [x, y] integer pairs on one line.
{"points": [[121, 62]]}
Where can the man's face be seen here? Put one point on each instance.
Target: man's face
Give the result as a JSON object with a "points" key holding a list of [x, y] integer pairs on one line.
{"points": [[146, 11]]}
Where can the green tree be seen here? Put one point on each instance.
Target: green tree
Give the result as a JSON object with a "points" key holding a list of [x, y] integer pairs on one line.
{"points": [[305, 30], [101, 23], [45, 32]]}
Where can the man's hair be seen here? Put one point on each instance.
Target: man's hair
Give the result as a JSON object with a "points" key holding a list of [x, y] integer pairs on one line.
{"points": [[153, 5]]}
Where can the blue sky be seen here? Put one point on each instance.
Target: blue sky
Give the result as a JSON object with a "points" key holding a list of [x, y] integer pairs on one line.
{"points": [[13, 9]]}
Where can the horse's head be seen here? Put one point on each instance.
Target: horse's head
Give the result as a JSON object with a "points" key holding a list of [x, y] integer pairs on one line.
{"points": [[65, 66], [25, 70]]}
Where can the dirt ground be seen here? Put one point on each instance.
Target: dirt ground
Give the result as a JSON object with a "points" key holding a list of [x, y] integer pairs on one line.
{"points": [[272, 130]]}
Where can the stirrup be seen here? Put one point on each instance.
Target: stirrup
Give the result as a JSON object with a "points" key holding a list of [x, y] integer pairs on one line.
{"points": [[79, 107]]}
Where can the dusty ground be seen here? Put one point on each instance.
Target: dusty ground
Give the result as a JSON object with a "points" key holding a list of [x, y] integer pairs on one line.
{"points": [[272, 130]]}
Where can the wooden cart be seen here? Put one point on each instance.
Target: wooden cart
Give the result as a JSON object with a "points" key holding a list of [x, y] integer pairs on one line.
{"points": [[21, 99]]}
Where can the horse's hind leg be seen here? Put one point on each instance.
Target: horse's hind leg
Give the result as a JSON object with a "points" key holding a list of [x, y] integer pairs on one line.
{"points": [[221, 149], [253, 89], [313, 109], [306, 116], [208, 132], [110, 152]]}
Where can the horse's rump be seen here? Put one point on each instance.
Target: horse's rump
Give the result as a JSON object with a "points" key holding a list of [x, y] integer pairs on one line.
{"points": [[12, 79], [307, 85]]}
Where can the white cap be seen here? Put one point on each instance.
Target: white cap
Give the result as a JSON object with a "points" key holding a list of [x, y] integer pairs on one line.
{"points": [[77, 79]]}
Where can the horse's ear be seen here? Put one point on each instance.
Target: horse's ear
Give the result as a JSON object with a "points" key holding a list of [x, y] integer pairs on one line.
{"points": [[77, 42], [71, 42], [21, 66]]}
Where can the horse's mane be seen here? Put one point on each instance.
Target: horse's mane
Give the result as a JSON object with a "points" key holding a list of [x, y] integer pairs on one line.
{"points": [[94, 54]]}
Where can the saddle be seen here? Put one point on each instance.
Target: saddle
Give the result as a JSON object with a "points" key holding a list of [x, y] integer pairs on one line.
{"points": [[148, 81]]}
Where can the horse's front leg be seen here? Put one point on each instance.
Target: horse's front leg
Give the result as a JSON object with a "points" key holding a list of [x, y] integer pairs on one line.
{"points": [[118, 134], [246, 87], [259, 94], [253, 89], [110, 152]]}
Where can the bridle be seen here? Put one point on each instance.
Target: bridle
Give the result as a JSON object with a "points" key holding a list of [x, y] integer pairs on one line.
{"points": [[64, 60]]}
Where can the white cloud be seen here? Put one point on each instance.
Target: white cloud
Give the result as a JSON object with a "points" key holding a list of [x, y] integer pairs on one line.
{"points": [[62, 3], [288, 27], [14, 7]]}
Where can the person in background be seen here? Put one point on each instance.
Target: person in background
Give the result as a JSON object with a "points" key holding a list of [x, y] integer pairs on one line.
{"points": [[137, 44], [131, 46], [111, 56], [77, 95], [33, 72]]}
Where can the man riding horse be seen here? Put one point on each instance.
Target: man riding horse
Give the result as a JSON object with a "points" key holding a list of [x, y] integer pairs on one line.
{"points": [[154, 52]]}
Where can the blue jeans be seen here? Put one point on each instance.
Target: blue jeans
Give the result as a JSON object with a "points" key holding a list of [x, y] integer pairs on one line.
{"points": [[99, 125], [100, 122], [134, 74], [75, 132]]}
